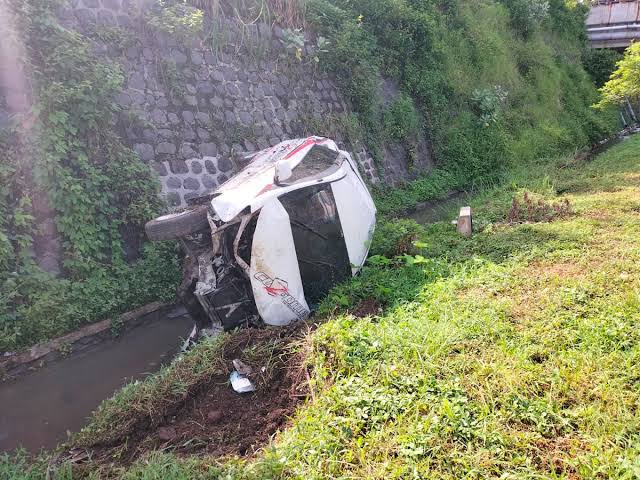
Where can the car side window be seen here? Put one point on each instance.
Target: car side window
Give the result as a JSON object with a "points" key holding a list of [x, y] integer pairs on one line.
{"points": [[317, 234]]}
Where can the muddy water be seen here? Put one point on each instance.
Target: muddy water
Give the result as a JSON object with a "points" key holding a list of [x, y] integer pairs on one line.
{"points": [[37, 409], [439, 210]]}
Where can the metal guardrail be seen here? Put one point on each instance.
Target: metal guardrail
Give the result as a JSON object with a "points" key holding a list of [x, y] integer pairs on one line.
{"points": [[609, 2], [613, 23]]}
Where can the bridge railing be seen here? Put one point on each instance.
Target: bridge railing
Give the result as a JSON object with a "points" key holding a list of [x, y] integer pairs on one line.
{"points": [[609, 2], [613, 23]]}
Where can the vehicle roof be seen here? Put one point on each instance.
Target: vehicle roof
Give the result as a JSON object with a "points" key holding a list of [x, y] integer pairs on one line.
{"points": [[257, 178]]}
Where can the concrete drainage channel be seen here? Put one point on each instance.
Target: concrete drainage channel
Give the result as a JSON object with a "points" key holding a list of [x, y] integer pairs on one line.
{"points": [[39, 405]]}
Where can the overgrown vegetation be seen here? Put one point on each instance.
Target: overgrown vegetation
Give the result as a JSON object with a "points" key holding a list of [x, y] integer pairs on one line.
{"points": [[495, 82], [178, 19], [39, 307], [435, 185], [531, 209], [624, 84], [396, 237], [288, 13], [63, 150], [600, 64]]}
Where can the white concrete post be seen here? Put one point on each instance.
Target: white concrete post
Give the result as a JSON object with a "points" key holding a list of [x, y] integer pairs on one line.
{"points": [[465, 226]]}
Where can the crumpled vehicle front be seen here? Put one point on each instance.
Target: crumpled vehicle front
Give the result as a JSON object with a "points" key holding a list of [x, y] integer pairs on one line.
{"points": [[297, 220]]}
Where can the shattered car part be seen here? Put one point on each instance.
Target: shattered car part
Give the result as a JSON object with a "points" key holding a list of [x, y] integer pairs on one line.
{"points": [[240, 383], [206, 278], [270, 243]]}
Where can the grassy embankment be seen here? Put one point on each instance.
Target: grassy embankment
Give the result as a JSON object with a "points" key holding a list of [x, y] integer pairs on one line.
{"points": [[511, 354]]}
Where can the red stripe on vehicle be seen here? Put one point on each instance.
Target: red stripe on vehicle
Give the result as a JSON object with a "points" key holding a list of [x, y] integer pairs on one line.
{"points": [[265, 189], [305, 144]]}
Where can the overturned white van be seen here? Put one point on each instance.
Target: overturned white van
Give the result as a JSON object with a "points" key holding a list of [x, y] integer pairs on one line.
{"points": [[268, 244]]}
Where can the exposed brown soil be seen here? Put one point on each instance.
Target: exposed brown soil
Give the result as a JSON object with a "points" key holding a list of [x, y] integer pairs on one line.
{"points": [[367, 307], [218, 421], [554, 455]]}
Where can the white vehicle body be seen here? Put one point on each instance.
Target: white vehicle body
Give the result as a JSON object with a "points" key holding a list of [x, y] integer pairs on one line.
{"points": [[294, 222], [274, 274]]}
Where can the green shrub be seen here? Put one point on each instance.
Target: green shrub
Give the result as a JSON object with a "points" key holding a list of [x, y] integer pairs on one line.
{"points": [[488, 102], [176, 18], [624, 83], [402, 122], [395, 237], [527, 15], [34, 306], [600, 64]]}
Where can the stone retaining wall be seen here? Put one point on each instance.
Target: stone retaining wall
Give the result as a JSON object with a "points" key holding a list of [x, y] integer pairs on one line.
{"points": [[195, 111]]}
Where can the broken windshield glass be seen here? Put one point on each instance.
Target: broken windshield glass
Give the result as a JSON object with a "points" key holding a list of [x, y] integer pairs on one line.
{"points": [[319, 159]]}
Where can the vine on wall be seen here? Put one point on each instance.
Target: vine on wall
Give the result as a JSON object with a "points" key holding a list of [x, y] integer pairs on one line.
{"points": [[66, 145]]}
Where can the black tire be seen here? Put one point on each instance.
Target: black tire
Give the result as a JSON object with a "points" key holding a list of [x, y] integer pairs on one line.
{"points": [[175, 225]]}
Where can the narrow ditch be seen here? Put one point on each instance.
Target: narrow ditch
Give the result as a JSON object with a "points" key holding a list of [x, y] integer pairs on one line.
{"points": [[38, 408], [215, 420]]}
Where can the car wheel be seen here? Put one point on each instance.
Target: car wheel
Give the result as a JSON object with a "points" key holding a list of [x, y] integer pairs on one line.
{"points": [[179, 224]]}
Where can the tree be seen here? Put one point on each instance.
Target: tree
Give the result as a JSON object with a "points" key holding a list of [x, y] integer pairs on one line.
{"points": [[600, 63], [624, 82]]}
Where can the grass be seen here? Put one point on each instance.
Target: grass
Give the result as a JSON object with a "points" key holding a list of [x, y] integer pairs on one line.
{"points": [[512, 354], [38, 307]]}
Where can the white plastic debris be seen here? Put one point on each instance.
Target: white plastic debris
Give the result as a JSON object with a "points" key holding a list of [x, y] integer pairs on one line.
{"points": [[240, 383]]}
